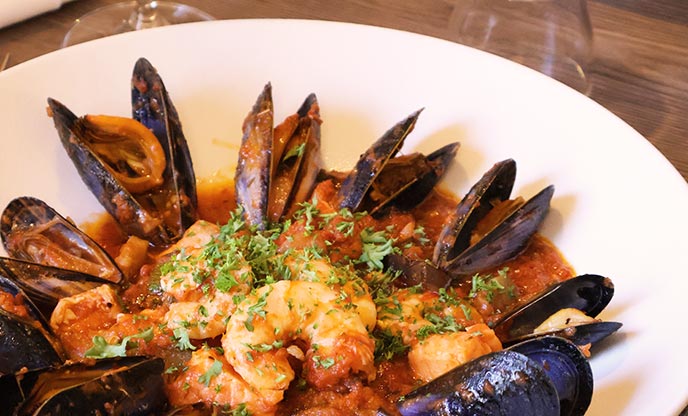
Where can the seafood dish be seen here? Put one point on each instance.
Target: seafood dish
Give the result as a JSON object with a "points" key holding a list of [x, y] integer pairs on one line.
{"points": [[291, 289]]}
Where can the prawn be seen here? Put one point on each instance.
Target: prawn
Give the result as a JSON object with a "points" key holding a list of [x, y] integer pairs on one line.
{"points": [[352, 289], [207, 377], [205, 292], [291, 313], [441, 330]]}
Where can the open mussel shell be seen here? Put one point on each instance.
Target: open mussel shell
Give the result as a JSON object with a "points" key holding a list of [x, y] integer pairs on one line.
{"points": [[297, 163], [152, 107], [405, 181], [588, 293], [120, 386], [504, 240], [356, 184], [548, 376], [252, 177], [495, 185], [33, 231], [139, 169], [46, 285], [25, 340], [136, 214]]}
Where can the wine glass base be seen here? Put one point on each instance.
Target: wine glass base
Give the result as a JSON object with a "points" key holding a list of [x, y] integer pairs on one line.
{"points": [[123, 17]]}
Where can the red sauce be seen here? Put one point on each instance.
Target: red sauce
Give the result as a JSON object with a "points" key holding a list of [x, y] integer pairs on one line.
{"points": [[539, 266], [13, 304]]}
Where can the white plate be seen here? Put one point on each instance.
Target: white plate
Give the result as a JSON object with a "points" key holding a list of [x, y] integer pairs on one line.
{"points": [[619, 208]]}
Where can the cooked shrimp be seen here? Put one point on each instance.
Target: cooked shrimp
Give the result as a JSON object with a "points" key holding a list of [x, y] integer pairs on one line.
{"points": [[309, 313], [205, 291], [441, 330], [96, 312], [439, 353], [207, 377], [352, 290], [77, 318], [410, 314]]}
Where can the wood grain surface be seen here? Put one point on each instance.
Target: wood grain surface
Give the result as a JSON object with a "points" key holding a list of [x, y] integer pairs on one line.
{"points": [[640, 52]]}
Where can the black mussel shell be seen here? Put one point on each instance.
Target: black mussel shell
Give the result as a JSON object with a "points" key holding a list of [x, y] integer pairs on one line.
{"points": [[136, 214], [33, 231], [544, 376], [25, 341], [496, 184], [580, 334], [505, 240], [296, 169], [152, 106], [568, 369], [356, 184], [121, 386], [588, 293], [252, 177], [46, 285], [405, 181], [416, 272], [501, 383]]}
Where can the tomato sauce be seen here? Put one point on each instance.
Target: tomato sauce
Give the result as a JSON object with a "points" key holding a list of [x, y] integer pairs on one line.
{"points": [[539, 266]]}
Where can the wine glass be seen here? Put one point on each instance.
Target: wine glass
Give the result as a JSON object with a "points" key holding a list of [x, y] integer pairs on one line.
{"points": [[552, 36], [129, 16]]}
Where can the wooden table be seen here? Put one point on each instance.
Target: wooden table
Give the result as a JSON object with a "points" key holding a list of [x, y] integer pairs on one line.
{"points": [[640, 54]]}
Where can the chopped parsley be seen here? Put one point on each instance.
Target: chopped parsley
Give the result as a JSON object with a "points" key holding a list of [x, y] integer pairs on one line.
{"points": [[491, 285], [212, 372], [101, 349], [182, 337], [376, 245], [388, 345], [323, 362]]}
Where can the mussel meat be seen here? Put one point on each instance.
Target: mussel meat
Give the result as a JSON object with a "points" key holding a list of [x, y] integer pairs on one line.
{"points": [[34, 232], [588, 294], [487, 228], [143, 178]]}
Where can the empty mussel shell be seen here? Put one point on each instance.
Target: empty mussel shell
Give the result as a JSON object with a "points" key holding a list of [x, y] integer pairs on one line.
{"points": [[121, 386]]}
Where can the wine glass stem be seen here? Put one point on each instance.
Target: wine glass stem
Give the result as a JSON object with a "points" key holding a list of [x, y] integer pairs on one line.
{"points": [[145, 15]]}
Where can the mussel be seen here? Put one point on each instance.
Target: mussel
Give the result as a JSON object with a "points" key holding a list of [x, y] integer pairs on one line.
{"points": [[34, 232], [405, 181], [356, 184], [588, 294], [296, 160], [547, 376], [25, 340], [277, 167], [472, 242], [252, 177], [486, 230], [46, 285], [139, 169], [120, 386]]}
